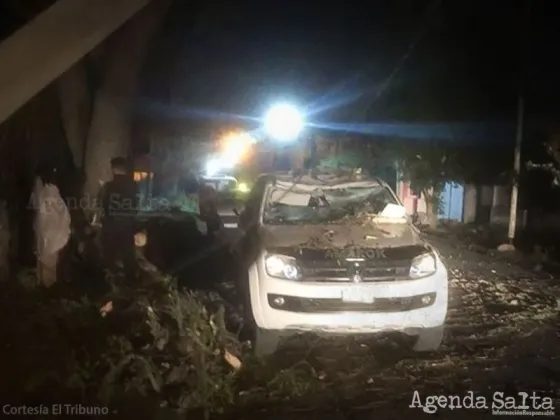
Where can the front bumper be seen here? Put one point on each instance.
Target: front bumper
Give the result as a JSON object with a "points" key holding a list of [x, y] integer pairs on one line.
{"points": [[407, 305]]}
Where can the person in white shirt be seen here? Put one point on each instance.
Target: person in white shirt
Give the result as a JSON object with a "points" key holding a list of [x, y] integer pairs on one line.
{"points": [[52, 225]]}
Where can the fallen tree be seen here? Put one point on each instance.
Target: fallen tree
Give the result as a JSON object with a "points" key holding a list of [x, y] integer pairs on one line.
{"points": [[158, 341]]}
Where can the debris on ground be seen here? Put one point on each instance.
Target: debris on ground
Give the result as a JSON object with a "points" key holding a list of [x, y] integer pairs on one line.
{"points": [[233, 361], [506, 248], [177, 349], [105, 309]]}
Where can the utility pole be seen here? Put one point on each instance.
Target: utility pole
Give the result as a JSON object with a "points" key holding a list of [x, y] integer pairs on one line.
{"points": [[520, 125]]}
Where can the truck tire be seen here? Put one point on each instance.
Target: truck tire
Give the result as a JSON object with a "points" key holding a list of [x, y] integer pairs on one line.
{"points": [[265, 342], [429, 339]]}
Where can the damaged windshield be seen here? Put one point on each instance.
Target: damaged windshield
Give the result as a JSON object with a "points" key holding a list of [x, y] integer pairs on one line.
{"points": [[315, 204]]}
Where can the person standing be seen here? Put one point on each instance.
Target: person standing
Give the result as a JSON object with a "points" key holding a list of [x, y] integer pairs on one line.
{"points": [[119, 202], [52, 225], [209, 210]]}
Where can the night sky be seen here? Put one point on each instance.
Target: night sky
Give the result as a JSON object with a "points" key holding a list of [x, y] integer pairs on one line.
{"points": [[335, 59]]}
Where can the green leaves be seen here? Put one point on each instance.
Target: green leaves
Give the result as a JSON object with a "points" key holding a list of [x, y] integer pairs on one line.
{"points": [[433, 163], [345, 160]]}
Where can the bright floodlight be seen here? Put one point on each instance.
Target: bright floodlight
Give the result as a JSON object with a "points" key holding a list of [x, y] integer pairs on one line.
{"points": [[212, 167], [283, 122]]}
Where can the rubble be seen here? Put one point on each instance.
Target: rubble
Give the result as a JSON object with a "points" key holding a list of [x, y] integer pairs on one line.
{"points": [[506, 248]]}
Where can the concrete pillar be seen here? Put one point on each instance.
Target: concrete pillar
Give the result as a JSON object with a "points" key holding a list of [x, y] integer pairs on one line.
{"points": [[51, 43], [486, 195], [469, 204], [500, 205]]}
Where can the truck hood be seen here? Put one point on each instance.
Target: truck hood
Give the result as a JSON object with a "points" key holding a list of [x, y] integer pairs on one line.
{"points": [[387, 235]]}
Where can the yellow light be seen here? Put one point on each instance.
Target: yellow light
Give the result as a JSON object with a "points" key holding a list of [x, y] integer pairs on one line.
{"points": [[139, 176], [235, 147], [242, 187]]}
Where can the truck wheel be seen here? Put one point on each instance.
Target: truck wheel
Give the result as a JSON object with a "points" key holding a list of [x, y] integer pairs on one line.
{"points": [[429, 339], [243, 292], [265, 342]]}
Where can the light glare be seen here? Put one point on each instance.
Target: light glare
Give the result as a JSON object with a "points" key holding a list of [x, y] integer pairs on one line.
{"points": [[283, 122], [212, 167], [243, 188], [235, 147]]}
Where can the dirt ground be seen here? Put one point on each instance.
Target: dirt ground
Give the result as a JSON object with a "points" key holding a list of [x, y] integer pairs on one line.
{"points": [[502, 335]]}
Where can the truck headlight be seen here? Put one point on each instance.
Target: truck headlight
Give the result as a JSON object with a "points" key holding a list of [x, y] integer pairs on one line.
{"points": [[422, 266], [283, 267]]}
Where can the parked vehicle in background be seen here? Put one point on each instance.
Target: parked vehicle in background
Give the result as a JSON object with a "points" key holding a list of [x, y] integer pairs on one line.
{"points": [[222, 184], [229, 193]]}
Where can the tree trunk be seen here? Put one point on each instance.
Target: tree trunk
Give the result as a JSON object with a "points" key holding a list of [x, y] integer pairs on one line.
{"points": [[75, 104], [431, 208], [108, 137], [109, 133]]}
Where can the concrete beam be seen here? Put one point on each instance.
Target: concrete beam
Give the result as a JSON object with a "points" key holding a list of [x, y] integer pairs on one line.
{"points": [[46, 47]]}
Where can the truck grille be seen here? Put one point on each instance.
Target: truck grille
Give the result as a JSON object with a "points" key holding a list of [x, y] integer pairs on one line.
{"points": [[327, 271]]}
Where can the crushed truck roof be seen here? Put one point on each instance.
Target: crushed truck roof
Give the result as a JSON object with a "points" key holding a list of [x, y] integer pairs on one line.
{"points": [[326, 179]]}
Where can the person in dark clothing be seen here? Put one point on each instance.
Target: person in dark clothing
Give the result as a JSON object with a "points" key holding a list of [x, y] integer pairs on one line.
{"points": [[190, 184], [119, 202], [209, 210]]}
